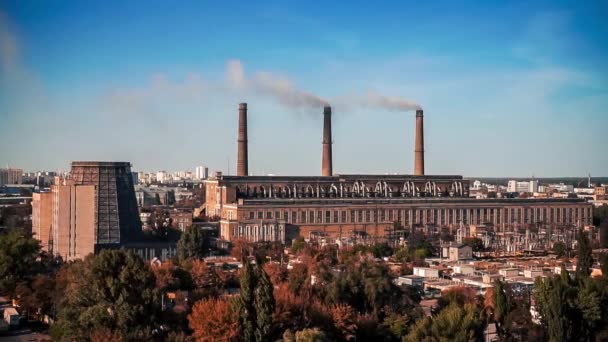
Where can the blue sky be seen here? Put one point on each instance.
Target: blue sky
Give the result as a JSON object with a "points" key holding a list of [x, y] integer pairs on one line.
{"points": [[509, 88]]}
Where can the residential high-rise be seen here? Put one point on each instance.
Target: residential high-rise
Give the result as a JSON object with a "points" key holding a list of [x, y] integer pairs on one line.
{"points": [[92, 209], [11, 176], [201, 172]]}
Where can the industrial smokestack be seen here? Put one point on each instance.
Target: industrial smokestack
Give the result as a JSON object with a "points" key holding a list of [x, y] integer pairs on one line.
{"points": [[242, 168], [326, 167], [419, 147]]}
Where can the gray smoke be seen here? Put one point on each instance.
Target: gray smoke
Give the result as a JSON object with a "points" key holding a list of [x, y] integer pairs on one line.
{"points": [[390, 102], [269, 84]]}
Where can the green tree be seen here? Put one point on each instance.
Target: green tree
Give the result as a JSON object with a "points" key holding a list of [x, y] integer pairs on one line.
{"points": [[475, 243], [18, 259], [112, 291], [502, 304], [248, 315], [454, 323], [584, 256], [559, 248], [194, 243], [264, 305]]}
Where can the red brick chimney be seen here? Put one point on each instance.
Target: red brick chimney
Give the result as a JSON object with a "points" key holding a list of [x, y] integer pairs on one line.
{"points": [[326, 167], [242, 168], [419, 148]]}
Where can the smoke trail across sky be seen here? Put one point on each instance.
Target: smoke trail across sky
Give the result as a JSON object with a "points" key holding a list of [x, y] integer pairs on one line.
{"points": [[270, 84]]}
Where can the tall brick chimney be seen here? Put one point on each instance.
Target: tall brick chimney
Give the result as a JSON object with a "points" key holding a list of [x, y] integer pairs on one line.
{"points": [[326, 167], [242, 168], [419, 147]]}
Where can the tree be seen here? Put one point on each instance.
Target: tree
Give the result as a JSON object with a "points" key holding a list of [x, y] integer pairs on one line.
{"points": [[18, 259], [194, 243], [171, 278], [502, 304], [584, 256], [559, 248], [114, 290], [264, 305], [344, 321], [215, 320], [306, 335], [454, 323], [475, 243], [247, 317]]}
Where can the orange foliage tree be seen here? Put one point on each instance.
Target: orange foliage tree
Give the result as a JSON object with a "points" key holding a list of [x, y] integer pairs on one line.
{"points": [[215, 320]]}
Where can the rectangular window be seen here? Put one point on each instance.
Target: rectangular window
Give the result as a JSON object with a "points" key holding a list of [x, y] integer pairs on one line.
{"points": [[360, 216], [260, 215], [383, 213], [303, 217], [251, 215], [352, 216], [336, 213], [391, 215], [277, 215], [319, 216], [269, 214], [368, 216], [399, 216], [285, 215], [311, 216], [407, 217], [343, 216], [294, 217], [327, 216]]}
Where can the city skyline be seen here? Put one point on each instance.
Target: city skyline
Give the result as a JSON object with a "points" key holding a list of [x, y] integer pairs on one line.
{"points": [[520, 93]]}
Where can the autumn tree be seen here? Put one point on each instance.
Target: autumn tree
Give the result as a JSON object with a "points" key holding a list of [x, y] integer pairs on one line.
{"points": [[215, 319], [344, 322]]}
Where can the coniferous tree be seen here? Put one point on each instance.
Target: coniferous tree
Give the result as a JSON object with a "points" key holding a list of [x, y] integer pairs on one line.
{"points": [[264, 305], [585, 258], [247, 302], [194, 243], [502, 303]]}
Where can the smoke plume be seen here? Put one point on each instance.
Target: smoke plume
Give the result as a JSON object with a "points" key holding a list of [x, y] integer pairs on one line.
{"points": [[392, 103], [270, 84]]}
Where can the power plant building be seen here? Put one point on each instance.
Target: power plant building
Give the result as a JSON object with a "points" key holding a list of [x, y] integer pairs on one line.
{"points": [[278, 208]]}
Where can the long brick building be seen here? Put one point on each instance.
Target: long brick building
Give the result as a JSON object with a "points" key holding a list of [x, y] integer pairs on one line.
{"points": [[278, 208]]}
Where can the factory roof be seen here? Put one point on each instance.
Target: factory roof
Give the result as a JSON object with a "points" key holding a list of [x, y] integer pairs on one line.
{"points": [[403, 200]]}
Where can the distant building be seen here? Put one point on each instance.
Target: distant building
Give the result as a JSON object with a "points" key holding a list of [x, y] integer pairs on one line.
{"points": [[135, 176], [181, 219], [426, 272], [457, 252], [201, 172], [411, 280], [11, 176], [526, 186], [162, 176]]}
